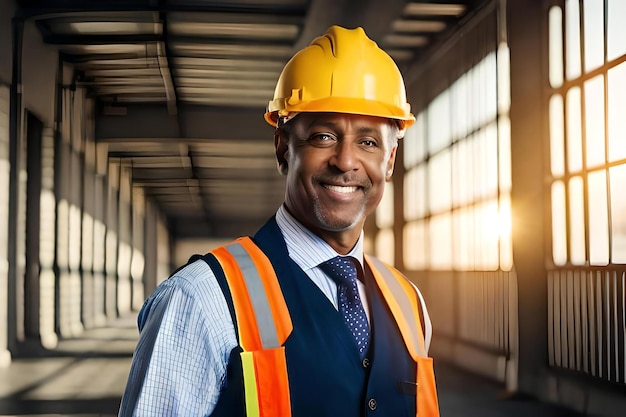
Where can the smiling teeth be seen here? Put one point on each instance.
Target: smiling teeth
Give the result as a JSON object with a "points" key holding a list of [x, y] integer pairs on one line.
{"points": [[339, 189]]}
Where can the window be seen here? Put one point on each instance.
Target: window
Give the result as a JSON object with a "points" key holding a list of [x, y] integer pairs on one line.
{"points": [[456, 189], [587, 132]]}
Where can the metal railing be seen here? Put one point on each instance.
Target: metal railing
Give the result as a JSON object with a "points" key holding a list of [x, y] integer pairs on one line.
{"points": [[587, 321]]}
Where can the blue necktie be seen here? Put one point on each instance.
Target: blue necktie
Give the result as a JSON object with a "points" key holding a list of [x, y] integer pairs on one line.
{"points": [[344, 272]]}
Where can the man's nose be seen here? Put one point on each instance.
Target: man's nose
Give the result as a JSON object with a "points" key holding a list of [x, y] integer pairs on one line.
{"points": [[345, 156]]}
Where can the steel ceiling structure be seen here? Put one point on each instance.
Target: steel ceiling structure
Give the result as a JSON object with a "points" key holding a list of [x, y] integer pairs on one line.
{"points": [[181, 87]]}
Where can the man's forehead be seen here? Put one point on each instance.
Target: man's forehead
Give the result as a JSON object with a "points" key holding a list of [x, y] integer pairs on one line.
{"points": [[340, 121]]}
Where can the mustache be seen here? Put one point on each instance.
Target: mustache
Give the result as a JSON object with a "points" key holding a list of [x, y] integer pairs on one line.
{"points": [[344, 179]]}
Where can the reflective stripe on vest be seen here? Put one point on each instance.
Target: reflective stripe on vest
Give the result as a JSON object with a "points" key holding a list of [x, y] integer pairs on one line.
{"points": [[264, 324], [402, 299]]}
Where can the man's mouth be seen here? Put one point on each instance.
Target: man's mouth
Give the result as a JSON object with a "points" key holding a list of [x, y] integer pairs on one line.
{"points": [[340, 189]]}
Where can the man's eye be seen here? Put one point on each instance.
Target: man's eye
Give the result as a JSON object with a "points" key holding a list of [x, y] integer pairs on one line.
{"points": [[369, 143], [322, 138]]}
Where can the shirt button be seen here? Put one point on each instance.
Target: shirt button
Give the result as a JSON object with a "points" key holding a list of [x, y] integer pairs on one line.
{"points": [[366, 363], [372, 404]]}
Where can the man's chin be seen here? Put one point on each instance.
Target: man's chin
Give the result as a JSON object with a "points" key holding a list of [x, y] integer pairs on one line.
{"points": [[338, 223]]}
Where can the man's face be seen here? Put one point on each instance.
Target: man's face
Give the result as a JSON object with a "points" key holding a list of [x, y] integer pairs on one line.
{"points": [[336, 167]]}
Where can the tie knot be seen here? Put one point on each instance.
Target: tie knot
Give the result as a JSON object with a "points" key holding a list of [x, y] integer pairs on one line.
{"points": [[342, 269]]}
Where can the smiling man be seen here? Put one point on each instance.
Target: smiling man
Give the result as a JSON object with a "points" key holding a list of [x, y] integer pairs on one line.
{"points": [[336, 166], [297, 320]]}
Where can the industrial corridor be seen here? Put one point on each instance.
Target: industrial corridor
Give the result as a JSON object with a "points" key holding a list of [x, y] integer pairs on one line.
{"points": [[134, 134]]}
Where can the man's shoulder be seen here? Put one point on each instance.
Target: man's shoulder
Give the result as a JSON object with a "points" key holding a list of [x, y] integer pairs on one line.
{"points": [[193, 284], [193, 280], [194, 275]]}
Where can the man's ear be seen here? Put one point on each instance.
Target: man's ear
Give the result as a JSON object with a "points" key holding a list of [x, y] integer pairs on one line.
{"points": [[391, 164], [281, 146]]}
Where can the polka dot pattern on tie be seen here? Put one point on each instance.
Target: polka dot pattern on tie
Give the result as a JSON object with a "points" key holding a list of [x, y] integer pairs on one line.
{"points": [[344, 272]]}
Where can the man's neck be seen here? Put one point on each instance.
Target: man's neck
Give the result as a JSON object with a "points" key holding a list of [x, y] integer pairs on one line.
{"points": [[341, 241]]}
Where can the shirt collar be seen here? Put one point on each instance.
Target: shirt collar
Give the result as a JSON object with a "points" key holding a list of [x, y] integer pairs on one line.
{"points": [[306, 248]]}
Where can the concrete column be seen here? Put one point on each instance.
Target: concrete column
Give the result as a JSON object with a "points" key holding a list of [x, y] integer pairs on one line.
{"points": [[63, 193], [32, 292], [17, 196], [7, 10], [87, 257], [125, 248], [112, 239], [99, 250], [151, 256], [138, 261], [47, 242], [528, 45], [5, 167], [99, 233]]}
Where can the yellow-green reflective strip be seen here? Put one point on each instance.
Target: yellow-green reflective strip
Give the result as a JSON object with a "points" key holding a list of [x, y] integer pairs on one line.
{"points": [[258, 296], [249, 383], [403, 301]]}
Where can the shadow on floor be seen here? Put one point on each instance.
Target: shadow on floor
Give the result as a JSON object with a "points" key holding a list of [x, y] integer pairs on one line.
{"points": [[81, 377], [464, 394], [100, 407]]}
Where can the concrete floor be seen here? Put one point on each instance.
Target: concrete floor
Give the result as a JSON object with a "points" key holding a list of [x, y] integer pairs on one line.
{"points": [[85, 377]]}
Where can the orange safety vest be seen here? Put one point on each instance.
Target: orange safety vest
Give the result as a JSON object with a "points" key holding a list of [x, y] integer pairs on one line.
{"points": [[264, 324]]}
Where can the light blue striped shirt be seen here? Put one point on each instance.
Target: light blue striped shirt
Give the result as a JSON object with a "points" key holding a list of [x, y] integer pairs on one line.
{"points": [[186, 339]]}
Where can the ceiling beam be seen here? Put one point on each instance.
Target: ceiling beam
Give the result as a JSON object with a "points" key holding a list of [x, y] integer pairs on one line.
{"points": [[159, 21], [46, 9], [196, 122], [80, 39], [168, 80]]}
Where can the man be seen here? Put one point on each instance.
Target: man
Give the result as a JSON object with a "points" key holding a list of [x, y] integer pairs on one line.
{"points": [[262, 326]]}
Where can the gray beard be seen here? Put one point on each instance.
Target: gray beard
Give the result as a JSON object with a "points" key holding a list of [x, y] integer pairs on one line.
{"points": [[337, 225]]}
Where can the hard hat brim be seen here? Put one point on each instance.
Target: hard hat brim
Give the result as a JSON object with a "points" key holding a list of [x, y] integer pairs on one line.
{"points": [[278, 108]]}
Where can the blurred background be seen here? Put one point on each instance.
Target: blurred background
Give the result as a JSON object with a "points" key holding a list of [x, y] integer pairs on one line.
{"points": [[132, 136]]}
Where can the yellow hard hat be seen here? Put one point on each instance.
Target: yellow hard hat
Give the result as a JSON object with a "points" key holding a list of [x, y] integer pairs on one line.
{"points": [[342, 71]]}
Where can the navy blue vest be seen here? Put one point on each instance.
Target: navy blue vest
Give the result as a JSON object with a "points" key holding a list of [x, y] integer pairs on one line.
{"points": [[326, 375]]}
